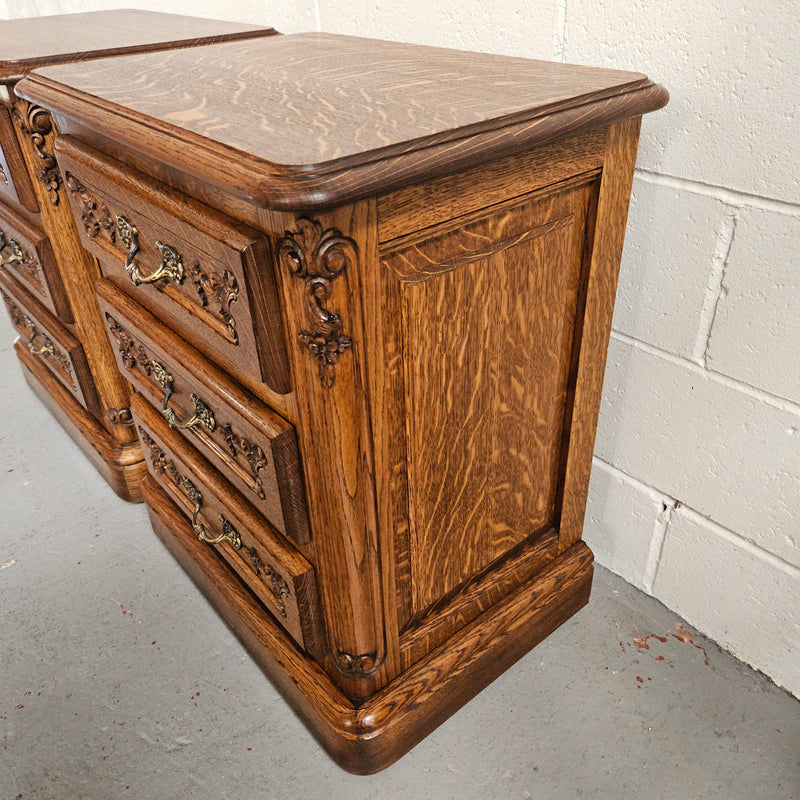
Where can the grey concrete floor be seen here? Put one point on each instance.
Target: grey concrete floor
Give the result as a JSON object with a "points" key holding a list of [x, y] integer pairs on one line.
{"points": [[117, 680]]}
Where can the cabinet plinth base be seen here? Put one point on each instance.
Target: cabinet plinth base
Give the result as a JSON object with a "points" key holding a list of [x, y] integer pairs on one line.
{"points": [[368, 737], [121, 465]]}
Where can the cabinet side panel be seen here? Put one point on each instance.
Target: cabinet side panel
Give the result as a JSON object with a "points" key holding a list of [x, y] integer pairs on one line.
{"points": [[485, 331]]}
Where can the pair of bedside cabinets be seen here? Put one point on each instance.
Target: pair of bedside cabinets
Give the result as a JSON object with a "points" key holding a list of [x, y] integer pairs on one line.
{"points": [[362, 292]]}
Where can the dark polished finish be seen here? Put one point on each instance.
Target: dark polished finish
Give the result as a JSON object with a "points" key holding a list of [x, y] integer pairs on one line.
{"points": [[39, 244], [369, 370]]}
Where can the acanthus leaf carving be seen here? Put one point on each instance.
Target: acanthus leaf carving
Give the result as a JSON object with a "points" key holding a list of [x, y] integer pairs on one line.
{"points": [[317, 257], [277, 585], [95, 216], [255, 457], [36, 123], [131, 352], [222, 289]]}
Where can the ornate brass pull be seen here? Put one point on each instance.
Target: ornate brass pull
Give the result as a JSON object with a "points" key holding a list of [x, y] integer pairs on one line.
{"points": [[18, 254], [229, 533], [47, 349], [203, 415], [171, 263]]}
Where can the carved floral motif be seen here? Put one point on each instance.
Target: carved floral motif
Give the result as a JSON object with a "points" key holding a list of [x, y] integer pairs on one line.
{"points": [[161, 465], [132, 353], [254, 456], [277, 585], [317, 257], [95, 216], [222, 289]]}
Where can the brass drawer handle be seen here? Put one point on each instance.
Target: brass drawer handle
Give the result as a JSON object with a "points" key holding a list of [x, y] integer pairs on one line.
{"points": [[171, 263], [46, 349], [18, 254], [203, 415], [229, 533]]}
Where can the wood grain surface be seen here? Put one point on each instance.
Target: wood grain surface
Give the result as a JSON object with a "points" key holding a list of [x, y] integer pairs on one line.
{"points": [[279, 575], [254, 447], [37, 269], [78, 270], [120, 463], [478, 317], [225, 301], [368, 737], [318, 118], [603, 251], [29, 43], [15, 182], [52, 342]]}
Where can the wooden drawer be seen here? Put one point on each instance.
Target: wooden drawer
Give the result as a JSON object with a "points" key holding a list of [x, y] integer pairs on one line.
{"points": [[277, 573], [217, 285], [15, 184], [47, 338], [251, 445], [26, 253]]}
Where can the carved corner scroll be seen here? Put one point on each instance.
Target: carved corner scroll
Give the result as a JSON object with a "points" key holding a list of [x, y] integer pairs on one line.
{"points": [[360, 666], [36, 123], [318, 256]]}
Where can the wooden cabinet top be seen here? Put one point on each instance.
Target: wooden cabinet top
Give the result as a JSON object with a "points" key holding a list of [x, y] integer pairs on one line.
{"points": [[35, 42], [316, 119]]}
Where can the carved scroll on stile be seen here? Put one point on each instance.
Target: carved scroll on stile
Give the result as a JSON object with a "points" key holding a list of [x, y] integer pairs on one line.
{"points": [[318, 256]]}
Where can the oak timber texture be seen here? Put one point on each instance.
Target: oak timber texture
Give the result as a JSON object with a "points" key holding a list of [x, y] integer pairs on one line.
{"points": [[15, 183], [484, 312], [279, 575], [50, 341], [78, 270], [34, 206], [316, 119], [31, 43], [223, 291], [368, 737], [603, 251], [255, 448], [37, 268], [121, 464], [442, 231]]}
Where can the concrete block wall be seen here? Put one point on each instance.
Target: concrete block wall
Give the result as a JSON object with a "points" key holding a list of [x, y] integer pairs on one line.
{"points": [[696, 484]]}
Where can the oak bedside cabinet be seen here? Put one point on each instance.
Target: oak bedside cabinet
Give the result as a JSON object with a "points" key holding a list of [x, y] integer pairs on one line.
{"points": [[46, 278], [363, 291]]}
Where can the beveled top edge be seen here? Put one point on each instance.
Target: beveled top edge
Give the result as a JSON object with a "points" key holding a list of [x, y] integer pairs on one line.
{"points": [[33, 42], [288, 186]]}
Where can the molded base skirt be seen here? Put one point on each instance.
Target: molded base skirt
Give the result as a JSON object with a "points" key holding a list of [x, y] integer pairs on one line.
{"points": [[368, 737], [122, 465]]}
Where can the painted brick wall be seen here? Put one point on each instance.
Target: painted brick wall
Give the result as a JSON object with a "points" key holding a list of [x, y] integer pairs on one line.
{"points": [[696, 482]]}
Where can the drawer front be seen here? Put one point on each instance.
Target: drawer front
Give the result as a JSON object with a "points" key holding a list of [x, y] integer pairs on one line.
{"points": [[15, 184], [48, 339], [251, 445], [207, 277], [26, 253], [273, 569]]}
